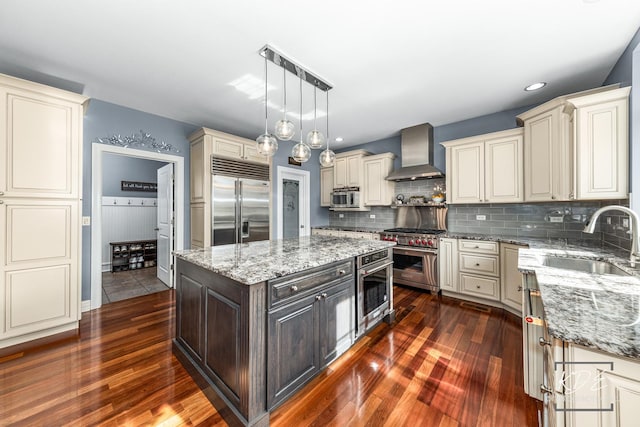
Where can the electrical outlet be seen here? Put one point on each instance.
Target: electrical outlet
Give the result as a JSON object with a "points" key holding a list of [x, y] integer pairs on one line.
{"points": [[372, 216], [86, 220], [556, 219], [481, 217], [340, 215], [625, 222]]}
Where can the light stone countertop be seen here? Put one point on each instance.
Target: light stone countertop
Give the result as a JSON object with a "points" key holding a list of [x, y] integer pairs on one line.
{"points": [[600, 311], [256, 262]]}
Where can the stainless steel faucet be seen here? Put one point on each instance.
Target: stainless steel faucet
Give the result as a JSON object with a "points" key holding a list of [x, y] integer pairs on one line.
{"points": [[635, 221]]}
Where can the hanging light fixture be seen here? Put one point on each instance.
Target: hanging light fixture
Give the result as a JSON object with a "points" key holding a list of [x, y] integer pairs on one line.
{"points": [[285, 129], [327, 157], [267, 143], [315, 138], [301, 151]]}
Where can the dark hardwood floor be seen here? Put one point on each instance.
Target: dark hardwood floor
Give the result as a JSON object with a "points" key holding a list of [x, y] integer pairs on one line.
{"points": [[441, 364]]}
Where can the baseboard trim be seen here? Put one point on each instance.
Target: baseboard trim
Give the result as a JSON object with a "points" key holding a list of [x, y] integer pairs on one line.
{"points": [[86, 305]]}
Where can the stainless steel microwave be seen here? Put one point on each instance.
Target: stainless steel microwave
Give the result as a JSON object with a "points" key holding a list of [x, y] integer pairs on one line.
{"points": [[345, 197]]}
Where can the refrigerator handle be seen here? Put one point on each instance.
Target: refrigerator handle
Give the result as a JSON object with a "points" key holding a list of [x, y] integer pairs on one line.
{"points": [[245, 229], [241, 221]]}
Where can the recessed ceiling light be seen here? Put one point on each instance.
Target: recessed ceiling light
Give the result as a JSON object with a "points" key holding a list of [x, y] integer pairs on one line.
{"points": [[339, 139], [535, 86]]}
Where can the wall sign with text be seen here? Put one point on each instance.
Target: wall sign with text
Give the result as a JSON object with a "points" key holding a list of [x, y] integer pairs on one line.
{"points": [[149, 187]]}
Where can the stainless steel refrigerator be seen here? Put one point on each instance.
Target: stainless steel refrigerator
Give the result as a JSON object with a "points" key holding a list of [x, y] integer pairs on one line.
{"points": [[240, 207]]}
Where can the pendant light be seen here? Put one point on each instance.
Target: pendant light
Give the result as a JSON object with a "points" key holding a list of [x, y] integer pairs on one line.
{"points": [[267, 144], [315, 138], [301, 151], [284, 129], [327, 157]]}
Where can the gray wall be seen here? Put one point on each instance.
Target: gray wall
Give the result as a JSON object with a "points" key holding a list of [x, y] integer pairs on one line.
{"points": [[116, 168], [106, 119]]}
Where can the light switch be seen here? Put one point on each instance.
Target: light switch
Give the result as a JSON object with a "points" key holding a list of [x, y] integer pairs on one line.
{"points": [[481, 217]]}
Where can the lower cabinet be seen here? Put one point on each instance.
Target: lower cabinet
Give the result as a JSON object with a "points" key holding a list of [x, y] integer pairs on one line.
{"points": [[511, 278], [448, 264], [306, 335]]}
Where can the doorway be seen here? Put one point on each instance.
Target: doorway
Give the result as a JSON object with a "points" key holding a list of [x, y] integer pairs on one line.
{"points": [[177, 206], [293, 203]]}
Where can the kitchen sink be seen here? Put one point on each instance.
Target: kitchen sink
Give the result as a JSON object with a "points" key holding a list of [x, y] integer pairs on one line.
{"points": [[585, 265]]}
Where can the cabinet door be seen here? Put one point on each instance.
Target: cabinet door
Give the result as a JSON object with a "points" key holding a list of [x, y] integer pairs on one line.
{"points": [[354, 171], [510, 277], [190, 307], [337, 321], [39, 267], [326, 186], [539, 136], [465, 177], [251, 154], [602, 146], [228, 148], [40, 144], [293, 356], [377, 190], [198, 172], [448, 264], [340, 178], [503, 170]]}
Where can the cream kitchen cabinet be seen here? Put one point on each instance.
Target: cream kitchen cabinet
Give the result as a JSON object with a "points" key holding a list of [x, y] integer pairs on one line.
{"points": [[205, 143], [326, 186], [348, 170], [377, 190], [600, 389], [576, 147], [485, 168], [510, 277], [40, 210], [448, 264]]}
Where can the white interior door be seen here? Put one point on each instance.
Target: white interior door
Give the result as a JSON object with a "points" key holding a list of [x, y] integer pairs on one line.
{"points": [[165, 224], [293, 203]]}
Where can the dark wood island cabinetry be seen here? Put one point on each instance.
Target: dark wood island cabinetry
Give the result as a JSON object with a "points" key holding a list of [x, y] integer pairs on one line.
{"points": [[255, 329]]}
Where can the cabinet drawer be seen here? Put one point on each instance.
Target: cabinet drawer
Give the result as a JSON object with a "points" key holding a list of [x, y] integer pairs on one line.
{"points": [[282, 291], [480, 264], [480, 286], [479, 246]]}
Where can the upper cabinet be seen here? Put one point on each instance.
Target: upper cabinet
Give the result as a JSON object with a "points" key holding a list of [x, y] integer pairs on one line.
{"points": [[485, 168], [576, 146], [377, 190], [348, 170], [326, 186]]}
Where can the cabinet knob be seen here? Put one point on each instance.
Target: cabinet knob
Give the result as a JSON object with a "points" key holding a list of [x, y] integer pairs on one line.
{"points": [[1, 193], [519, 288], [545, 390], [543, 342], [294, 288], [1, 202], [477, 286], [318, 297], [341, 272], [477, 265], [323, 295], [553, 197]]}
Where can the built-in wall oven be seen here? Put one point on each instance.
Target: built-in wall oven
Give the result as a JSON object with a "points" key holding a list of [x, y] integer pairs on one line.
{"points": [[374, 289]]}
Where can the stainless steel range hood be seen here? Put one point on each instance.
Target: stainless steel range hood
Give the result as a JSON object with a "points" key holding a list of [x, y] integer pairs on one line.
{"points": [[417, 155]]}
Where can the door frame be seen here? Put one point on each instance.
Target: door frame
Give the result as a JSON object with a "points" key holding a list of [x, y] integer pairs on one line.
{"points": [[305, 185], [97, 150]]}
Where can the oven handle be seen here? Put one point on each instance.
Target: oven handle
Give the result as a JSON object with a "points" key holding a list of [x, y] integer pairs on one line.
{"points": [[375, 270], [407, 251]]}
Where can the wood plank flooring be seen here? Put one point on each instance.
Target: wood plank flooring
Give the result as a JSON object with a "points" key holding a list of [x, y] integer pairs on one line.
{"points": [[441, 364]]}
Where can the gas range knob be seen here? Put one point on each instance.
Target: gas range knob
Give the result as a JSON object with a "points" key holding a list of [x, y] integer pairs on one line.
{"points": [[411, 242], [395, 239], [425, 242], [430, 242]]}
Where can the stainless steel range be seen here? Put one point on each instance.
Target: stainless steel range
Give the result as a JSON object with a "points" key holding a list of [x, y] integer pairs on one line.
{"points": [[415, 258]]}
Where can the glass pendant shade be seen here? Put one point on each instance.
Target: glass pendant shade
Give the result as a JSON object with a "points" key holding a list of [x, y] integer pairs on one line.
{"points": [[285, 130], [327, 157], [267, 144], [301, 152], [315, 139]]}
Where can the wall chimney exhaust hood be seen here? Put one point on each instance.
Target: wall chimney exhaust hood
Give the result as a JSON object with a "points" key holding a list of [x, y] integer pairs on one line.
{"points": [[416, 146]]}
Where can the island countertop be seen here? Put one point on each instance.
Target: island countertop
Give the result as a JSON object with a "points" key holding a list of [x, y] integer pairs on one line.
{"points": [[256, 262]]}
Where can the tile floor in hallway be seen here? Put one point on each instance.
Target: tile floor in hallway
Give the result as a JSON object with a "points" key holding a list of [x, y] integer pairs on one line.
{"points": [[129, 284]]}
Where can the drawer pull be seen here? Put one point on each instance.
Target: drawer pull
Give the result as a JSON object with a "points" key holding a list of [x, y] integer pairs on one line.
{"points": [[294, 288], [519, 288], [477, 264], [477, 247], [341, 272], [323, 295], [477, 286], [318, 297]]}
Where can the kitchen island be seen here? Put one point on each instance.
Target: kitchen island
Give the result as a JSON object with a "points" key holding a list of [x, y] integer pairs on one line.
{"points": [[256, 321]]}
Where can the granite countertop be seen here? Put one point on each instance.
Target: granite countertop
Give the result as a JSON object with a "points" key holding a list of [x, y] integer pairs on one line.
{"points": [[256, 262], [600, 311]]}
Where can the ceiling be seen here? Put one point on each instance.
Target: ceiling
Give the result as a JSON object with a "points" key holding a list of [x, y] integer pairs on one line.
{"points": [[392, 64]]}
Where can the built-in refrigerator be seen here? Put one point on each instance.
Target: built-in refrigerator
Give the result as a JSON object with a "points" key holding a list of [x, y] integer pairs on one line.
{"points": [[240, 202]]}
